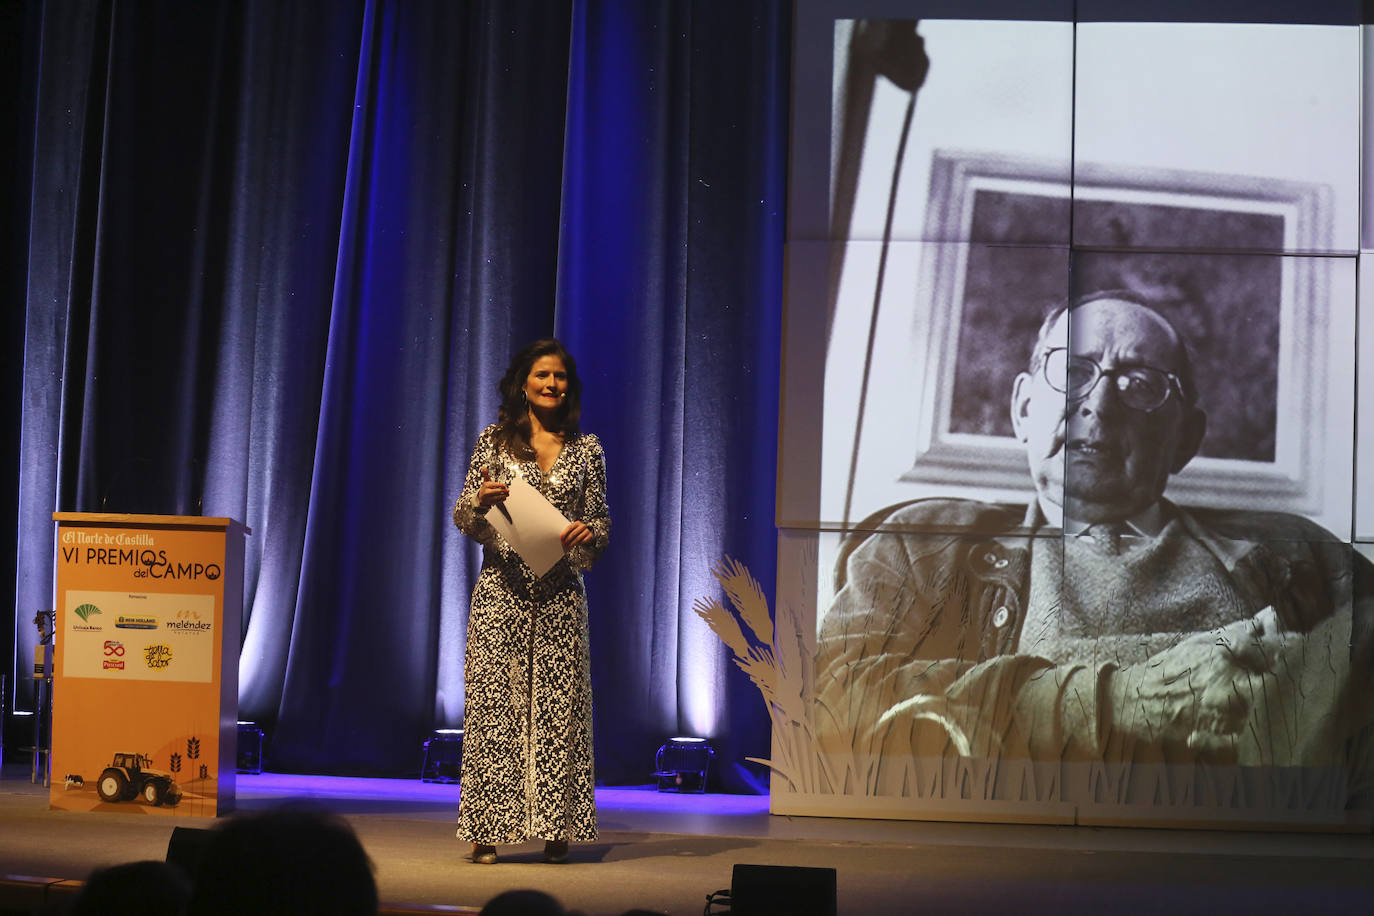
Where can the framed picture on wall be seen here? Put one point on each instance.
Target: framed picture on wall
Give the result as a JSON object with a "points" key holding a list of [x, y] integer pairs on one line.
{"points": [[1206, 248]]}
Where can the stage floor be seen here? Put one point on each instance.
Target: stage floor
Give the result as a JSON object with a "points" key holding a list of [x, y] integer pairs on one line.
{"points": [[667, 852]]}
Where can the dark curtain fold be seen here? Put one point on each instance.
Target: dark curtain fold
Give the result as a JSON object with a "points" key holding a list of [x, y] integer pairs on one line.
{"points": [[622, 310], [670, 280], [736, 187], [292, 148], [18, 32], [135, 416], [63, 70], [276, 258]]}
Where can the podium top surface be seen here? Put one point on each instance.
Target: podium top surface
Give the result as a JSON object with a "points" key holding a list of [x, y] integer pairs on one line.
{"points": [[163, 521]]}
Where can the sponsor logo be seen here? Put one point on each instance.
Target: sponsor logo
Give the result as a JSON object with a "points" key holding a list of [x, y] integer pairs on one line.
{"points": [[141, 538], [187, 621], [157, 656], [126, 622], [114, 655], [80, 629], [85, 611]]}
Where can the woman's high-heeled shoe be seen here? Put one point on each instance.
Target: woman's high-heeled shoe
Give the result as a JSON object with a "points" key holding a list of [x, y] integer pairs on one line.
{"points": [[555, 851], [483, 854]]}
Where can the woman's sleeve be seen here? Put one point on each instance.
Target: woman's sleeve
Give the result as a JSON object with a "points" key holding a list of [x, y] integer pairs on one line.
{"points": [[471, 519], [595, 514]]}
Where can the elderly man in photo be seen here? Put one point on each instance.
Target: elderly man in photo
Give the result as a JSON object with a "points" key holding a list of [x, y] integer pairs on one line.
{"points": [[1103, 623]]}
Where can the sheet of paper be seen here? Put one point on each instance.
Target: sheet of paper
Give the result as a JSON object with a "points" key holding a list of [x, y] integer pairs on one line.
{"points": [[531, 525]]}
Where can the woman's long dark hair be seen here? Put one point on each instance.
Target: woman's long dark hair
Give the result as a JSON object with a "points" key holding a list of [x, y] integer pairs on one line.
{"points": [[513, 416]]}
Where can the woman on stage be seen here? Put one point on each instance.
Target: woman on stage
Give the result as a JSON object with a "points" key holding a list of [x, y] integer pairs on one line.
{"points": [[527, 744]]}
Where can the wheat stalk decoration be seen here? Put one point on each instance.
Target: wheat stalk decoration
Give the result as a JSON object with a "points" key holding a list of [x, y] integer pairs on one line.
{"points": [[782, 673], [747, 596]]}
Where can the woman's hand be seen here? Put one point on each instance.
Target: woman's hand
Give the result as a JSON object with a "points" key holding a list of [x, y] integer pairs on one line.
{"points": [[575, 535], [490, 492]]}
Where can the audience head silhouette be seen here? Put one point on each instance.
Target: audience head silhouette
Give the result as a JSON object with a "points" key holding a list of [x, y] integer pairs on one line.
{"points": [[523, 903], [291, 860], [134, 889]]}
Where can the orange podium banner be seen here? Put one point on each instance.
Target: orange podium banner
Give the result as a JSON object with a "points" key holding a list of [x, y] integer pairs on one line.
{"points": [[145, 677]]}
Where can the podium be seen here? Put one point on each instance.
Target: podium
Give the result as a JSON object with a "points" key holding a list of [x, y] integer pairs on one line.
{"points": [[145, 680]]}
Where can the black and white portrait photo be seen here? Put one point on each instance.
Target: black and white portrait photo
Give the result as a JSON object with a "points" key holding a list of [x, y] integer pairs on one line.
{"points": [[1080, 516]]}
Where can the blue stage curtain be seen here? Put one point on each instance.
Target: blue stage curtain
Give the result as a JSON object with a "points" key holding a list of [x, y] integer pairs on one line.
{"points": [[275, 257], [670, 279]]}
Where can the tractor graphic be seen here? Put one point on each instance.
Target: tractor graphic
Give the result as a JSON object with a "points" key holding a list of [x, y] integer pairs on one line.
{"points": [[131, 776]]}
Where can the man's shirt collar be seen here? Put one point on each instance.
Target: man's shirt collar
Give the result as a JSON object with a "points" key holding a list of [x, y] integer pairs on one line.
{"points": [[1149, 522]]}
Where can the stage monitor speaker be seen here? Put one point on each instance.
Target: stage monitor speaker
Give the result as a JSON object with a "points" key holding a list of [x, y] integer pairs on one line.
{"points": [[782, 890], [185, 847]]}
